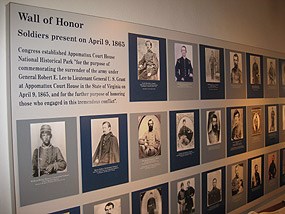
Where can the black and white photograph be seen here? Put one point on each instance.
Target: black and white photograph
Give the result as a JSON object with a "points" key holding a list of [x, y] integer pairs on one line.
{"points": [[236, 72], [237, 179], [186, 196], [48, 145], [184, 62], [105, 143], [214, 185], [151, 202], [149, 133], [185, 131], [237, 124], [148, 59], [272, 165], [271, 72], [212, 62], [110, 207], [256, 121], [272, 119], [213, 122], [256, 172], [255, 73]]}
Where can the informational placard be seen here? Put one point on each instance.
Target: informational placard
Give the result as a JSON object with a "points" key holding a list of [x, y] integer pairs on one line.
{"points": [[118, 205], [255, 127], [271, 167], [185, 195], [236, 185], [236, 130], [212, 72], [213, 191], [281, 77], [151, 200], [271, 77], [271, 125], [254, 64], [255, 178], [184, 139], [212, 134], [235, 74], [183, 72]]}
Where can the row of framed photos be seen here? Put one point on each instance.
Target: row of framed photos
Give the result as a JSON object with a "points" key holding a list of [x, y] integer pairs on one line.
{"points": [[49, 148], [219, 190], [244, 74]]}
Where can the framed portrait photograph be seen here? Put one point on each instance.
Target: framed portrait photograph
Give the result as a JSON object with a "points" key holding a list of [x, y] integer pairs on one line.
{"points": [[185, 131], [212, 62], [283, 73], [271, 72], [237, 179], [151, 201], [214, 185], [256, 121], [272, 165], [184, 62], [213, 127], [109, 207], [148, 59], [105, 141], [48, 148], [256, 172], [255, 73], [186, 196], [272, 119], [149, 133], [236, 68], [237, 124]]}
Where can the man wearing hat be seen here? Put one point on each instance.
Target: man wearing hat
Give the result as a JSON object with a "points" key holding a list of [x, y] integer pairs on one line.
{"points": [[47, 159]]}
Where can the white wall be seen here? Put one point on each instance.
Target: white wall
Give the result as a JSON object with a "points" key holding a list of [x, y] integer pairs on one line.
{"points": [[258, 23]]}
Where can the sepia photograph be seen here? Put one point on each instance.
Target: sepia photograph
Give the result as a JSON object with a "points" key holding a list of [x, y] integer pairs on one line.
{"points": [[256, 121], [149, 132], [183, 59], [48, 148], [214, 187], [186, 196], [256, 172], [271, 72], [151, 202], [105, 143], [237, 179], [212, 63], [110, 207], [213, 123], [148, 59], [236, 71], [237, 124], [272, 165], [185, 131], [272, 119], [255, 75]]}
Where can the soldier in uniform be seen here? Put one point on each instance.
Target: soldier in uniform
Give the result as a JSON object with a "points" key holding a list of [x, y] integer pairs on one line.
{"points": [[255, 73], [213, 63], [236, 75], [236, 182], [183, 67], [214, 195], [185, 135], [271, 75], [237, 127]]}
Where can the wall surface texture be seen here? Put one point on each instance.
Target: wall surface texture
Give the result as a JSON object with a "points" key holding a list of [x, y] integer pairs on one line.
{"points": [[257, 23]]}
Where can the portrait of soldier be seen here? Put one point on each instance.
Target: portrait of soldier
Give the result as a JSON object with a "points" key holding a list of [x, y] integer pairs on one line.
{"points": [[237, 180], [151, 202], [148, 64], [256, 121], [271, 74], [214, 127], [236, 73], [272, 119], [214, 195], [185, 135], [109, 207], [47, 158], [149, 142], [255, 72], [272, 169], [181, 199], [255, 178], [183, 67], [237, 124], [107, 151]]}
